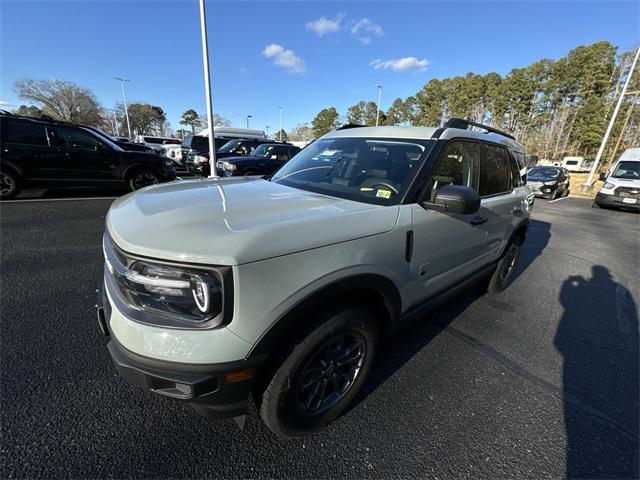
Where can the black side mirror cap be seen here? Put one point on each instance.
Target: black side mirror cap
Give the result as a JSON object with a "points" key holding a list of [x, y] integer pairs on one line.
{"points": [[603, 176], [455, 199]]}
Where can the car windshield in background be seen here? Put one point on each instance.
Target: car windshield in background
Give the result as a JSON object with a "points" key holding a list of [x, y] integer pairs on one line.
{"points": [[263, 150], [196, 142], [627, 170], [544, 172], [242, 147], [376, 171]]}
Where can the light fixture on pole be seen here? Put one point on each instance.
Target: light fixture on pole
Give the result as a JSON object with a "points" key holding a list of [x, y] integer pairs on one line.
{"points": [[589, 183], [280, 131], [207, 90], [379, 87], [248, 117], [124, 99]]}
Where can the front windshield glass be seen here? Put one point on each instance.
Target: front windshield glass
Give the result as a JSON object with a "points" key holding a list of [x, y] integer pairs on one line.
{"points": [[263, 151], [376, 171], [627, 170], [241, 147], [549, 172]]}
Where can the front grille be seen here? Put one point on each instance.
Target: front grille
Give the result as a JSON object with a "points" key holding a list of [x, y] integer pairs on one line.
{"points": [[627, 192]]}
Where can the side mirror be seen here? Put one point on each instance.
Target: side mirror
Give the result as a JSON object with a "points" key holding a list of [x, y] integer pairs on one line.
{"points": [[603, 176], [455, 199]]}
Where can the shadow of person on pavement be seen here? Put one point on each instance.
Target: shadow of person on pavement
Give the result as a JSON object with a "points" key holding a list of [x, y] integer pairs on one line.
{"points": [[598, 338]]}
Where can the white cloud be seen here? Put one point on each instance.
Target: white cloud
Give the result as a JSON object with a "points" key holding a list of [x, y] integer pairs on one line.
{"points": [[284, 58], [403, 64], [323, 25], [364, 28]]}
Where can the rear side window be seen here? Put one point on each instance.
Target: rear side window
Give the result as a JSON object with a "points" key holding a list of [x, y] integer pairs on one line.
{"points": [[457, 165], [495, 171], [26, 133]]}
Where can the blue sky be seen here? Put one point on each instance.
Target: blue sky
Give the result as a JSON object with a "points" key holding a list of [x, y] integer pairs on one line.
{"points": [[301, 55]]}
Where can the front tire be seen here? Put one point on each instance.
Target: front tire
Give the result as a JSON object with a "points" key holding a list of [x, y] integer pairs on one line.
{"points": [[503, 274], [143, 178], [10, 184], [321, 374]]}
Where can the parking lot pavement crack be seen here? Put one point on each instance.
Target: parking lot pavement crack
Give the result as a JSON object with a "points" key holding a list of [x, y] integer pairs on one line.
{"points": [[536, 380]]}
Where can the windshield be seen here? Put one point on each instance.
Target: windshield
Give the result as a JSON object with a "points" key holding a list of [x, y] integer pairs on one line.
{"points": [[263, 150], [627, 170], [376, 171], [241, 147], [548, 172]]}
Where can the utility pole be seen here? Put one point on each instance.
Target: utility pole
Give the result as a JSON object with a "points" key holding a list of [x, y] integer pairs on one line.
{"points": [[379, 87], [124, 99], [588, 186], [280, 131], [207, 91], [248, 117]]}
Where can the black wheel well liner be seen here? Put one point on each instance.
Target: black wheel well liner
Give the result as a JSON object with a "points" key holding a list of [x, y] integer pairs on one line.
{"points": [[10, 166], [136, 167], [373, 291], [521, 229]]}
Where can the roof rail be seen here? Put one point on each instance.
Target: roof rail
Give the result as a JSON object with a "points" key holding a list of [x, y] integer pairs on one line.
{"points": [[465, 124]]}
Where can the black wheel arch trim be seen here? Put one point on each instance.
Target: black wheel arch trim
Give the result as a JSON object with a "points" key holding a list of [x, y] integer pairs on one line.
{"points": [[346, 289]]}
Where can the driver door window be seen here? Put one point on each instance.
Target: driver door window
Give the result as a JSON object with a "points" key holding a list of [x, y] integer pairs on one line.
{"points": [[78, 140], [458, 165]]}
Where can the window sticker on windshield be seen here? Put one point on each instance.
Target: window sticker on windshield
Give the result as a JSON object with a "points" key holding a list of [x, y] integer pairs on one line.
{"points": [[383, 193]]}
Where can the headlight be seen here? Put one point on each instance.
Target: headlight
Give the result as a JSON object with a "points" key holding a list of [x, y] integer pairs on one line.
{"points": [[229, 166], [200, 159], [167, 295], [608, 185], [190, 295], [550, 184]]}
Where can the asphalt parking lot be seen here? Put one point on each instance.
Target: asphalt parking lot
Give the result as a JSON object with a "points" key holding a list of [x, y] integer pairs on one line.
{"points": [[540, 381]]}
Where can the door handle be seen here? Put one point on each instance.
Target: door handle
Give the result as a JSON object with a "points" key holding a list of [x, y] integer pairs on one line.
{"points": [[478, 220]]}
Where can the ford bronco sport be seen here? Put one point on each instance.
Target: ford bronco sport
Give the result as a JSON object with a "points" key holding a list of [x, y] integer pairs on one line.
{"points": [[219, 290]]}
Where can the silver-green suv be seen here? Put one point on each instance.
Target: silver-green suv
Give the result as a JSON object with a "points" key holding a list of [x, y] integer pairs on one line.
{"points": [[222, 290]]}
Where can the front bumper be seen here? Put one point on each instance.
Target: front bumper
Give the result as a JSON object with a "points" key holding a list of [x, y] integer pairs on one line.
{"points": [[615, 201], [213, 390]]}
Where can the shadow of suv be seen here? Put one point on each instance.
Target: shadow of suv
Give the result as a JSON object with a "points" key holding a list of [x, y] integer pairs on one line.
{"points": [[39, 152]]}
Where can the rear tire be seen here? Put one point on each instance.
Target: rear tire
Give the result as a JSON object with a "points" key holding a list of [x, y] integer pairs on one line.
{"points": [[503, 274], [10, 184], [143, 178], [249, 173], [321, 373]]}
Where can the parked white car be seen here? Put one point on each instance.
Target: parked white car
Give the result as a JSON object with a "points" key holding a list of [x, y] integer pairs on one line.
{"points": [[621, 188], [157, 143]]}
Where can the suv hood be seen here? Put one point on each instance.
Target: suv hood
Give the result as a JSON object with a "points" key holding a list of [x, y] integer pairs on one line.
{"points": [[237, 220]]}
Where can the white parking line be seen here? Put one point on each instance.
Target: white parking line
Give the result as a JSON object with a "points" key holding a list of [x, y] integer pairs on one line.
{"points": [[558, 199], [28, 200]]}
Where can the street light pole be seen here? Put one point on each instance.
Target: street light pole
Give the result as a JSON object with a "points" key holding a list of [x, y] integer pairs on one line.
{"points": [[267, 128], [589, 183], [207, 91], [248, 117], [379, 87], [280, 131], [124, 99]]}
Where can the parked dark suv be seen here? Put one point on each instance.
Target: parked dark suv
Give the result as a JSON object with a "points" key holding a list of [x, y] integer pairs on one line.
{"points": [[239, 147], [265, 160], [50, 153]]}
